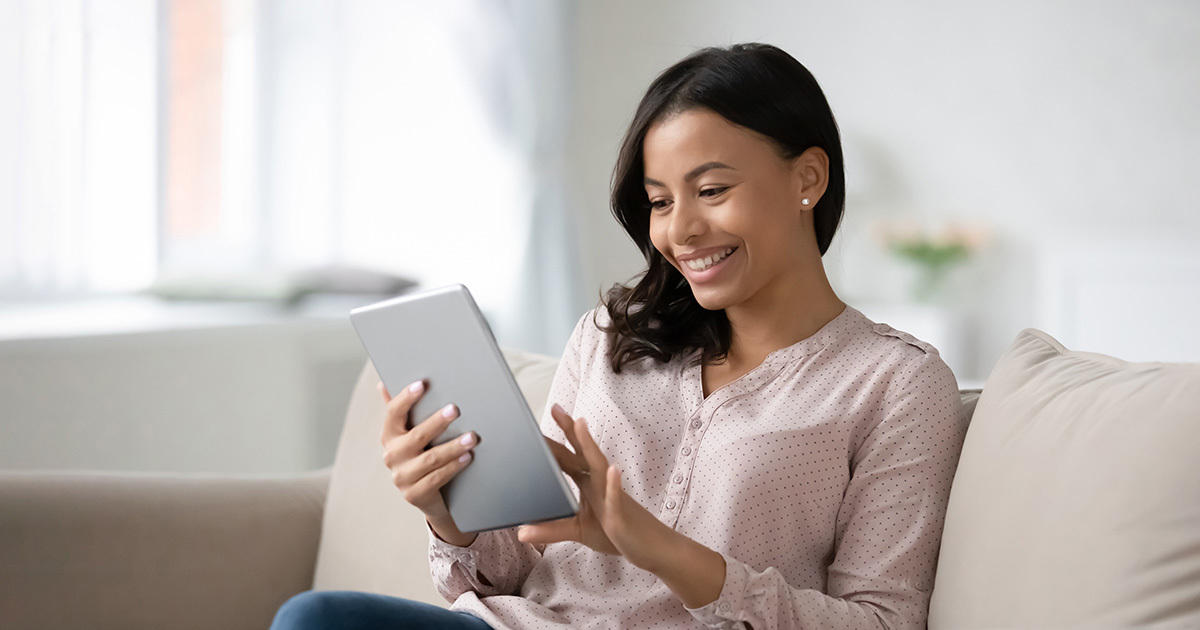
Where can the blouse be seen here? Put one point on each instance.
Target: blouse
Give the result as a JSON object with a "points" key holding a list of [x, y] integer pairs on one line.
{"points": [[821, 476]]}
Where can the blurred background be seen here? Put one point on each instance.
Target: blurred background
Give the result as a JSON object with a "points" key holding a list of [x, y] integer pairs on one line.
{"points": [[194, 193]]}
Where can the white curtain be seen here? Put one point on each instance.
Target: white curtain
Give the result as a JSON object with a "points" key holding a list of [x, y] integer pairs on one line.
{"points": [[525, 88], [427, 139], [77, 146]]}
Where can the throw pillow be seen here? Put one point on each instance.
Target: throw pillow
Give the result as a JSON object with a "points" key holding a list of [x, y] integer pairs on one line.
{"points": [[1076, 503]]}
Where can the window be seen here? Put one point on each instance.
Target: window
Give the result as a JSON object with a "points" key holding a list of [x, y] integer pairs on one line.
{"points": [[153, 137], [77, 146], [230, 135]]}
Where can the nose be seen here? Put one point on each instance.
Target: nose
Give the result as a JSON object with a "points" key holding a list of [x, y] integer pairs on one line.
{"points": [[687, 222]]}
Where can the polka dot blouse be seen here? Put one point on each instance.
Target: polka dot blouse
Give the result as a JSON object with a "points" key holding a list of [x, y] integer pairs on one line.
{"points": [[821, 476]]}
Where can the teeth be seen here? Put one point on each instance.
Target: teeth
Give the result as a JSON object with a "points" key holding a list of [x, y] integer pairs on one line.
{"points": [[701, 264]]}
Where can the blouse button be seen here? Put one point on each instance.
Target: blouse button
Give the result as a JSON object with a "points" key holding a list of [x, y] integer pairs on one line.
{"points": [[678, 479], [687, 450], [670, 505], [723, 606], [697, 423]]}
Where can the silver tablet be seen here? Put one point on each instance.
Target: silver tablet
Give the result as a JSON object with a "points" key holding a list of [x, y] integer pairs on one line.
{"points": [[441, 336]]}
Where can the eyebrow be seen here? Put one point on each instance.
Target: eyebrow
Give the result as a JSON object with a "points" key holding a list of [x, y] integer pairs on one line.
{"points": [[692, 174]]}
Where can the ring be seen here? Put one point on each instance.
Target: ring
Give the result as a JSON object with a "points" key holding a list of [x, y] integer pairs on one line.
{"points": [[585, 472]]}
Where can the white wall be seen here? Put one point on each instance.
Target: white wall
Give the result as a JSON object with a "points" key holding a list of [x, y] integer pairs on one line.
{"points": [[1047, 119]]}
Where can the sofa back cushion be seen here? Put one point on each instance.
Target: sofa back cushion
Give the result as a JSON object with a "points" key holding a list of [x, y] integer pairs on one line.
{"points": [[1077, 497], [371, 539]]}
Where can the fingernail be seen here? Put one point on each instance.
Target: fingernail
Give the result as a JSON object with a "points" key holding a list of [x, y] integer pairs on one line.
{"points": [[449, 411], [557, 407], [417, 388], [467, 439], [466, 457]]}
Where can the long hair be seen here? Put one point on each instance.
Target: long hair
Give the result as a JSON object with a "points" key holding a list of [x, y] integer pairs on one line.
{"points": [[756, 86]]}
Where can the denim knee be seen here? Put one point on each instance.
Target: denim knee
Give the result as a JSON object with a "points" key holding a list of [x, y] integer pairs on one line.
{"points": [[309, 610]]}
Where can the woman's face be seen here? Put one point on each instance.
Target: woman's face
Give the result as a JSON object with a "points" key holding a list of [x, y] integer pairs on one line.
{"points": [[725, 208]]}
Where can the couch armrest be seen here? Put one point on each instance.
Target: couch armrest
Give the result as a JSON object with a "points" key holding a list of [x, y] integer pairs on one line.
{"points": [[120, 550]]}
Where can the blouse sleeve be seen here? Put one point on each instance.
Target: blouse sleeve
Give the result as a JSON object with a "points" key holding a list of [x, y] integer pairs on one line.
{"points": [[888, 528], [497, 563]]}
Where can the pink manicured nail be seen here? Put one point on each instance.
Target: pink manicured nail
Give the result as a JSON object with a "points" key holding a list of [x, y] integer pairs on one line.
{"points": [[417, 388], [466, 457], [467, 439], [449, 411]]}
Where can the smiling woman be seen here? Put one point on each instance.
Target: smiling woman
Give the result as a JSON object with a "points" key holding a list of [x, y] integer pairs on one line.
{"points": [[741, 236], [744, 137], [756, 453]]}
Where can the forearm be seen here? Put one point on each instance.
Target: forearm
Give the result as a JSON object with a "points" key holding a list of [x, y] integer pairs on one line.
{"points": [[448, 532], [695, 573], [766, 600]]}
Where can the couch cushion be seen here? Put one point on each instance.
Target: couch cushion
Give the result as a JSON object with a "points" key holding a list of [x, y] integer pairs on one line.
{"points": [[1077, 497], [371, 539]]}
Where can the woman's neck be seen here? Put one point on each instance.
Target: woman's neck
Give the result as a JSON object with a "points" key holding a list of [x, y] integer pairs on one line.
{"points": [[790, 311]]}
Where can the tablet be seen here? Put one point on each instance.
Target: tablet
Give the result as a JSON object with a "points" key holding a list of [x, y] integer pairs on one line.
{"points": [[441, 336]]}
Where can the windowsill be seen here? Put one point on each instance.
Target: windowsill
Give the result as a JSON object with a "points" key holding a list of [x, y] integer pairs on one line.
{"points": [[133, 314]]}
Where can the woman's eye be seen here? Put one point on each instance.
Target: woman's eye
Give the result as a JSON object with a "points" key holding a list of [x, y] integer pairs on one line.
{"points": [[659, 204], [713, 192]]}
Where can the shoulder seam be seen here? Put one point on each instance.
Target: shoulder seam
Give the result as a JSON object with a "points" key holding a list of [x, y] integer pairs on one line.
{"points": [[887, 331]]}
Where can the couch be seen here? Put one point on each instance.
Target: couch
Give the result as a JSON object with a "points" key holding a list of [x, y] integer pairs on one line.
{"points": [[1076, 504]]}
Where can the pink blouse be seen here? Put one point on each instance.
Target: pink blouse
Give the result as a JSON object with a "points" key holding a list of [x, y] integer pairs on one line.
{"points": [[821, 476]]}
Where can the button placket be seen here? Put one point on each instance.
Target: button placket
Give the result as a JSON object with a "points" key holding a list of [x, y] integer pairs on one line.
{"points": [[677, 490]]}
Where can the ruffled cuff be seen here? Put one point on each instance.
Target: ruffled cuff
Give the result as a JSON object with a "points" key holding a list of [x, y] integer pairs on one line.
{"points": [[728, 611], [443, 557]]}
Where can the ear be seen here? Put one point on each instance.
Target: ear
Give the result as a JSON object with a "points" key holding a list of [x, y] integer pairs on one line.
{"points": [[811, 170]]}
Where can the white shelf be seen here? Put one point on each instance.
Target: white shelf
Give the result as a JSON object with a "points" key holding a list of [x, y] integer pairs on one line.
{"points": [[136, 383], [131, 314]]}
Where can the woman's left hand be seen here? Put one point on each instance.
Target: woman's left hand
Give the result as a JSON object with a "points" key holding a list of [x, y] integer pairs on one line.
{"points": [[609, 520]]}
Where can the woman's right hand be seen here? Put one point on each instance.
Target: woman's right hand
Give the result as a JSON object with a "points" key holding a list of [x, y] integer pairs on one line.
{"points": [[420, 473]]}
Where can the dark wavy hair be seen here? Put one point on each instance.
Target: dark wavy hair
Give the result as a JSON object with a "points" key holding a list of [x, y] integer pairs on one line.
{"points": [[756, 86]]}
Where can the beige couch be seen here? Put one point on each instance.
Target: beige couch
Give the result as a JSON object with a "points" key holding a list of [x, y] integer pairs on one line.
{"points": [[113, 550], [102, 550]]}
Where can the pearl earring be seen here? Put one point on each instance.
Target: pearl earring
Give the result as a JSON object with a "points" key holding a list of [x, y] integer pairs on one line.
{"points": [[804, 201]]}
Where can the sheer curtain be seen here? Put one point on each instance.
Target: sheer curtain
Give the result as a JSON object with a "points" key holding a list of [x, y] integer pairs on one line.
{"points": [[522, 76], [427, 139], [77, 146]]}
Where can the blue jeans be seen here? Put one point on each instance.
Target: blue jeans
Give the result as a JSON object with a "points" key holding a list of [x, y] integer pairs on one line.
{"points": [[320, 610]]}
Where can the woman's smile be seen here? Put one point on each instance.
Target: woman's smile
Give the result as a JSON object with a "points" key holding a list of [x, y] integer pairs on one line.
{"points": [[704, 265]]}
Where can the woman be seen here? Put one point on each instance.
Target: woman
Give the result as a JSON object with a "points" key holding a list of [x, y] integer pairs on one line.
{"points": [[756, 452]]}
